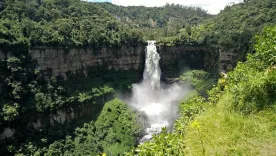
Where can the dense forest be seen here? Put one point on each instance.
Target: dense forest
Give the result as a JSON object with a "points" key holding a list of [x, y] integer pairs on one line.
{"points": [[235, 117], [140, 16], [157, 22], [59, 22], [234, 27]]}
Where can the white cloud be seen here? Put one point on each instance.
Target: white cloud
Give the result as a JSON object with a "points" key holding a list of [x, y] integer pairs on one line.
{"points": [[212, 6]]}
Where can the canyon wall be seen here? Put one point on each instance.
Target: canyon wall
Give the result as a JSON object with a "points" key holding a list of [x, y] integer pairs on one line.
{"points": [[61, 121], [188, 57], [52, 61], [228, 59], [60, 61]]}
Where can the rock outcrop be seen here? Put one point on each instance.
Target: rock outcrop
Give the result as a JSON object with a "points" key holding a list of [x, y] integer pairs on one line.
{"points": [[227, 60], [185, 57], [60, 61]]}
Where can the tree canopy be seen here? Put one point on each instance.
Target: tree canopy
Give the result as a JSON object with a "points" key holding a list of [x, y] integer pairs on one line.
{"points": [[61, 22]]}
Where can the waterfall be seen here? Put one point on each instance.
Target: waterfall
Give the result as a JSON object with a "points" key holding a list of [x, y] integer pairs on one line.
{"points": [[158, 101], [152, 70]]}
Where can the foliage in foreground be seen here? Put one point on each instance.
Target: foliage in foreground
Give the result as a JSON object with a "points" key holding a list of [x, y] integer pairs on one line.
{"points": [[237, 118], [114, 133]]}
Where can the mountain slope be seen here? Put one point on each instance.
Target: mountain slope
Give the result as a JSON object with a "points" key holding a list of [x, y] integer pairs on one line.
{"points": [[237, 118], [61, 22], [141, 16]]}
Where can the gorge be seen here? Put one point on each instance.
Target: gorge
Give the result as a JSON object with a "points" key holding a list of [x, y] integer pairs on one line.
{"points": [[83, 78], [76, 61]]}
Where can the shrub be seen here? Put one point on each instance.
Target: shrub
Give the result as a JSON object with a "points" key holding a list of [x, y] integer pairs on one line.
{"points": [[253, 83], [10, 112]]}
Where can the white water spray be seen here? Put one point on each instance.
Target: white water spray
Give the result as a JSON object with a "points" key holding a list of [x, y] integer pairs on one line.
{"points": [[158, 102]]}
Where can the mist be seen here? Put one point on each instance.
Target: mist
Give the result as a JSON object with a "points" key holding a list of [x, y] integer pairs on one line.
{"points": [[157, 100]]}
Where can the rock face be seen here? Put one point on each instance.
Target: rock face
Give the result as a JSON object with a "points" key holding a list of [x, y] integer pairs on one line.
{"points": [[185, 57], [47, 123], [227, 60], [60, 61], [7, 133]]}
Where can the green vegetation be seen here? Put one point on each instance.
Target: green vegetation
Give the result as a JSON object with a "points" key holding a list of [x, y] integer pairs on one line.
{"points": [[237, 118], [156, 22], [243, 21], [232, 29], [24, 89], [200, 80], [114, 132], [150, 17], [25, 92], [61, 23]]}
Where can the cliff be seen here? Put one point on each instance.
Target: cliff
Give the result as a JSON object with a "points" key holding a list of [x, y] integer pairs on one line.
{"points": [[60, 61], [53, 61], [228, 59], [191, 57]]}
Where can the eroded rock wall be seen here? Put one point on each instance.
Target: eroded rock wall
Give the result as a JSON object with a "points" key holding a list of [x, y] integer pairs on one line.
{"points": [[227, 60], [60, 61], [53, 61], [61, 120], [188, 57]]}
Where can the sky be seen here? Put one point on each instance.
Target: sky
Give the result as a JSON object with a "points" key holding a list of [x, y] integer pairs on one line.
{"points": [[212, 6]]}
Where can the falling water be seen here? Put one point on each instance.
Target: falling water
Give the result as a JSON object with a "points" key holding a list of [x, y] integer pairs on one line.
{"points": [[152, 70], [159, 103]]}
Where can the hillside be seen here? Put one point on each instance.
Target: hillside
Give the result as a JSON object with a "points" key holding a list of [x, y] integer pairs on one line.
{"points": [[68, 69], [232, 31], [233, 27], [156, 22], [151, 17], [237, 118], [59, 22], [27, 95]]}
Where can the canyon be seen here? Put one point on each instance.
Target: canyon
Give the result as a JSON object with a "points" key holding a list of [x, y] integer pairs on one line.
{"points": [[53, 61], [61, 61]]}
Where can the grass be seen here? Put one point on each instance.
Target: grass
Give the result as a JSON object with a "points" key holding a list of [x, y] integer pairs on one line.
{"points": [[227, 132]]}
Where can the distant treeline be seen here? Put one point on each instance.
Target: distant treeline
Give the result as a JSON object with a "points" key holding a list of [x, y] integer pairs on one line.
{"points": [[61, 22]]}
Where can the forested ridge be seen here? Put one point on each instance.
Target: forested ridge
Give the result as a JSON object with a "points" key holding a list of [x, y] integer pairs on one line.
{"points": [[233, 28], [27, 95], [236, 117], [71, 22], [61, 23], [155, 22], [141, 16]]}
